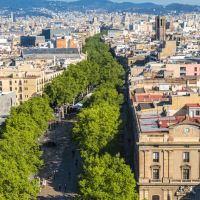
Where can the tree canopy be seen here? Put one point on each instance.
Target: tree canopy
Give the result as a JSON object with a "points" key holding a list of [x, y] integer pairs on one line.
{"points": [[96, 127], [105, 175], [19, 148], [108, 178]]}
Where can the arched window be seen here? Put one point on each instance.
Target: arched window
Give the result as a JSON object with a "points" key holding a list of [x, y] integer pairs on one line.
{"points": [[155, 197], [161, 22]]}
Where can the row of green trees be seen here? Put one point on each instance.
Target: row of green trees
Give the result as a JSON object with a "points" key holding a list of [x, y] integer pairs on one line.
{"points": [[105, 175], [19, 148], [99, 68]]}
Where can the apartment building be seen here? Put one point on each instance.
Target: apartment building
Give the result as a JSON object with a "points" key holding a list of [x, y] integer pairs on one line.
{"points": [[166, 135], [25, 81]]}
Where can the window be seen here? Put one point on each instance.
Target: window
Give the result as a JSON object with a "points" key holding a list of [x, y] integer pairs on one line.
{"points": [[10, 82], [10, 88], [155, 197], [16, 74], [155, 156], [183, 68], [0, 82], [156, 174], [15, 81], [195, 74], [15, 88], [0, 88], [186, 157], [195, 69], [186, 174], [197, 112], [25, 88]]}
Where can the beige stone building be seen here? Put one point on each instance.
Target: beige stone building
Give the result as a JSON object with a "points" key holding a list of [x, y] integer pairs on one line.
{"points": [[167, 48], [166, 151], [25, 81]]}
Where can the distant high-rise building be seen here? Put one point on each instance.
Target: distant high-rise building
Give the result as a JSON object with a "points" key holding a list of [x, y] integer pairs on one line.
{"points": [[95, 21], [40, 20], [125, 20], [160, 27], [71, 17], [13, 17]]}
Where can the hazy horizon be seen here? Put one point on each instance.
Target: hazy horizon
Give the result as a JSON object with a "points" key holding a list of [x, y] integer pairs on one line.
{"points": [[192, 2]]}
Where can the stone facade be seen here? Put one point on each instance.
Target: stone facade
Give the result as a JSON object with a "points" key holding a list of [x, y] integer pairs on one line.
{"points": [[25, 81], [7, 99], [160, 27], [169, 163]]}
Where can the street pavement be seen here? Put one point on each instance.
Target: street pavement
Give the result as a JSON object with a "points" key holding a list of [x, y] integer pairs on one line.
{"points": [[59, 158]]}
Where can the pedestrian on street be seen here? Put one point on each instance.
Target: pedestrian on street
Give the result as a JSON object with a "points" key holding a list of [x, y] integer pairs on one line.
{"points": [[65, 186], [59, 186]]}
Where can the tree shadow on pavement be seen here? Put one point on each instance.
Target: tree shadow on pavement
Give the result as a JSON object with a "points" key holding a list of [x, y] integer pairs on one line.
{"points": [[62, 159]]}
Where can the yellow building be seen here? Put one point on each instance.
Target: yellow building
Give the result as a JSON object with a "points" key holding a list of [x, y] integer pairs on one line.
{"points": [[25, 80]]}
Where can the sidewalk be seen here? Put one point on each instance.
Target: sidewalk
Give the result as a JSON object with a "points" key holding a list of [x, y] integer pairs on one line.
{"points": [[59, 158]]}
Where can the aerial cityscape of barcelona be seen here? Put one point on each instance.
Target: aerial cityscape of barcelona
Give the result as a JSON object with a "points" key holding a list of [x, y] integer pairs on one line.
{"points": [[99, 100]]}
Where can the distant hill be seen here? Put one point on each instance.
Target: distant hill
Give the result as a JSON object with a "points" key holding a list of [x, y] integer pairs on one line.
{"points": [[83, 5]]}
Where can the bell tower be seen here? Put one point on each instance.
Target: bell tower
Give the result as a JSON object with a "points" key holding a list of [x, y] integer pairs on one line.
{"points": [[160, 27]]}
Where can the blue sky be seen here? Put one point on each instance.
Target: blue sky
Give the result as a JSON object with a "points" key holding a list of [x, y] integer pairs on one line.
{"points": [[191, 2]]}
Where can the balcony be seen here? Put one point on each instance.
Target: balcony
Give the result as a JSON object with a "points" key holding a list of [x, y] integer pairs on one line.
{"points": [[182, 70], [155, 180], [19, 91], [184, 181]]}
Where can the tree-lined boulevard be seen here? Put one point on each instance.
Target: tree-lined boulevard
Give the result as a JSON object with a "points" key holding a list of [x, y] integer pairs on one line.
{"points": [[96, 132]]}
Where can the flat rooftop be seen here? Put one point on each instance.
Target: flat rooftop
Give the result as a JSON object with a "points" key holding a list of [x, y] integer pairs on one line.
{"points": [[157, 123], [149, 97]]}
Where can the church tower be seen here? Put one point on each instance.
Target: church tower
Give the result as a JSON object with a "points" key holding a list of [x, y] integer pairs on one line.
{"points": [[160, 27]]}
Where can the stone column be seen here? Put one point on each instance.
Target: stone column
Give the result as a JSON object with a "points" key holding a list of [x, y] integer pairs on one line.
{"points": [[171, 164], [146, 165], [146, 194], [141, 193], [165, 195], [199, 163], [170, 195], [165, 157], [141, 164]]}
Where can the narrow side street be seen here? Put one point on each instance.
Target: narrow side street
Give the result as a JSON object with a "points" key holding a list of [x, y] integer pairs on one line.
{"points": [[60, 160]]}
